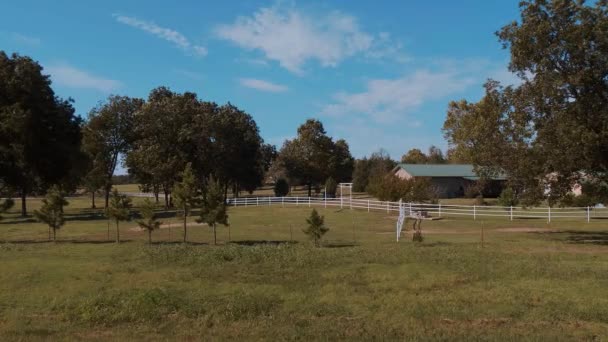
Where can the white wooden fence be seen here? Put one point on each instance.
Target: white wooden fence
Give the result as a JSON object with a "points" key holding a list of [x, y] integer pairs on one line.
{"points": [[434, 210]]}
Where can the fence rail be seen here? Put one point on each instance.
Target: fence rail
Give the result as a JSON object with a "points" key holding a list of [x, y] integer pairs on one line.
{"points": [[433, 210]]}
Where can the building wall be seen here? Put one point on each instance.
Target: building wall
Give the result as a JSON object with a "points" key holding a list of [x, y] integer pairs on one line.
{"points": [[450, 187]]}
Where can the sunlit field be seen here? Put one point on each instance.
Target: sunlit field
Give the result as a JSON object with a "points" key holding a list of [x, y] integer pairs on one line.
{"points": [[485, 279]]}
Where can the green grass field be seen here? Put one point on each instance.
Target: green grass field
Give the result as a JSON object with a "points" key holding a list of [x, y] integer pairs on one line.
{"points": [[530, 281]]}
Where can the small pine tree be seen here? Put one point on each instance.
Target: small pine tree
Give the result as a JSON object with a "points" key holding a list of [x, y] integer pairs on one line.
{"points": [[316, 227], [149, 221], [281, 187], [51, 211], [6, 205], [119, 209], [185, 195], [214, 210], [331, 187]]}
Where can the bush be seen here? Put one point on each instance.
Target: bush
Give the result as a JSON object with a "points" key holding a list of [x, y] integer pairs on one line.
{"points": [[507, 198], [281, 187], [393, 188], [331, 187]]}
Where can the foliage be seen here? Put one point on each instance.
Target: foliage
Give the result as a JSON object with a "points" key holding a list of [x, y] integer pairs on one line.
{"points": [[39, 132], [316, 227], [393, 188], [331, 187], [554, 121], [119, 209], [281, 187], [186, 195], [416, 156], [313, 156], [378, 165], [508, 198], [148, 221], [51, 211], [108, 135], [214, 211], [6, 205]]}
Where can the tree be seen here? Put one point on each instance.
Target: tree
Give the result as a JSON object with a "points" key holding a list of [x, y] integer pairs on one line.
{"points": [[214, 211], [149, 222], [119, 209], [435, 156], [281, 187], [186, 196], [39, 132], [331, 187], [6, 205], [51, 211], [313, 156], [94, 179], [316, 227], [414, 156], [554, 121], [108, 134]]}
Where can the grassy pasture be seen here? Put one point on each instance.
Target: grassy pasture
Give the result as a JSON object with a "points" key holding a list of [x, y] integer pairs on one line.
{"points": [[531, 281]]}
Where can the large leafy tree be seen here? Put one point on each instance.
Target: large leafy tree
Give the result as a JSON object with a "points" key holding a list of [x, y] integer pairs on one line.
{"points": [[108, 135], [414, 156], [313, 156], [39, 133], [554, 123], [162, 139]]}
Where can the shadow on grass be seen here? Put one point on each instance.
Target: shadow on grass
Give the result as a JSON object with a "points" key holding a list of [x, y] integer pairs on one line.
{"points": [[339, 245], [580, 237], [68, 241], [263, 242], [177, 243]]}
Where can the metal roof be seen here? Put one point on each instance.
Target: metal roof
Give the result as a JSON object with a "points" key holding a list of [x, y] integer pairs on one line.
{"points": [[442, 170]]}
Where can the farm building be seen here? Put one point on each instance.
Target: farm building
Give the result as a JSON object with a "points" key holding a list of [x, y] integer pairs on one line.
{"points": [[450, 180]]}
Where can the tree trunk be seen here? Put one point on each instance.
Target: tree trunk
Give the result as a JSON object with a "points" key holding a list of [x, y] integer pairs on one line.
{"points": [[214, 235], [117, 233], [185, 226], [49, 233], [309, 189], [23, 203], [93, 200], [108, 229], [225, 192], [156, 196], [107, 195], [54, 235], [166, 199], [149, 237]]}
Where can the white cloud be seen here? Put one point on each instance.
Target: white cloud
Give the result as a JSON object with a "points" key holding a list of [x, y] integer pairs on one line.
{"points": [[262, 85], [72, 77], [167, 34], [292, 38], [389, 100]]}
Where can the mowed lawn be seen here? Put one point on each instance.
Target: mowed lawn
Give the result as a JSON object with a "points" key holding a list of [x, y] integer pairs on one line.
{"points": [[529, 281]]}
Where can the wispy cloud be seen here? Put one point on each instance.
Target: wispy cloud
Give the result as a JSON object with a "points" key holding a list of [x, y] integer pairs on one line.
{"points": [[388, 100], [292, 38], [69, 76], [262, 85], [170, 35], [24, 39]]}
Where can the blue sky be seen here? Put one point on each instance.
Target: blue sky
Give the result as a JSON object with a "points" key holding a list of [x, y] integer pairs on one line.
{"points": [[378, 74]]}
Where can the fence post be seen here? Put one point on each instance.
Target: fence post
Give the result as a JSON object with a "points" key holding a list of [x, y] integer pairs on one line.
{"points": [[341, 199], [588, 214], [368, 206], [297, 201], [387, 210], [309, 202], [257, 201], [246, 201], [268, 200], [549, 215], [439, 209], [474, 212], [283, 202], [511, 213]]}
